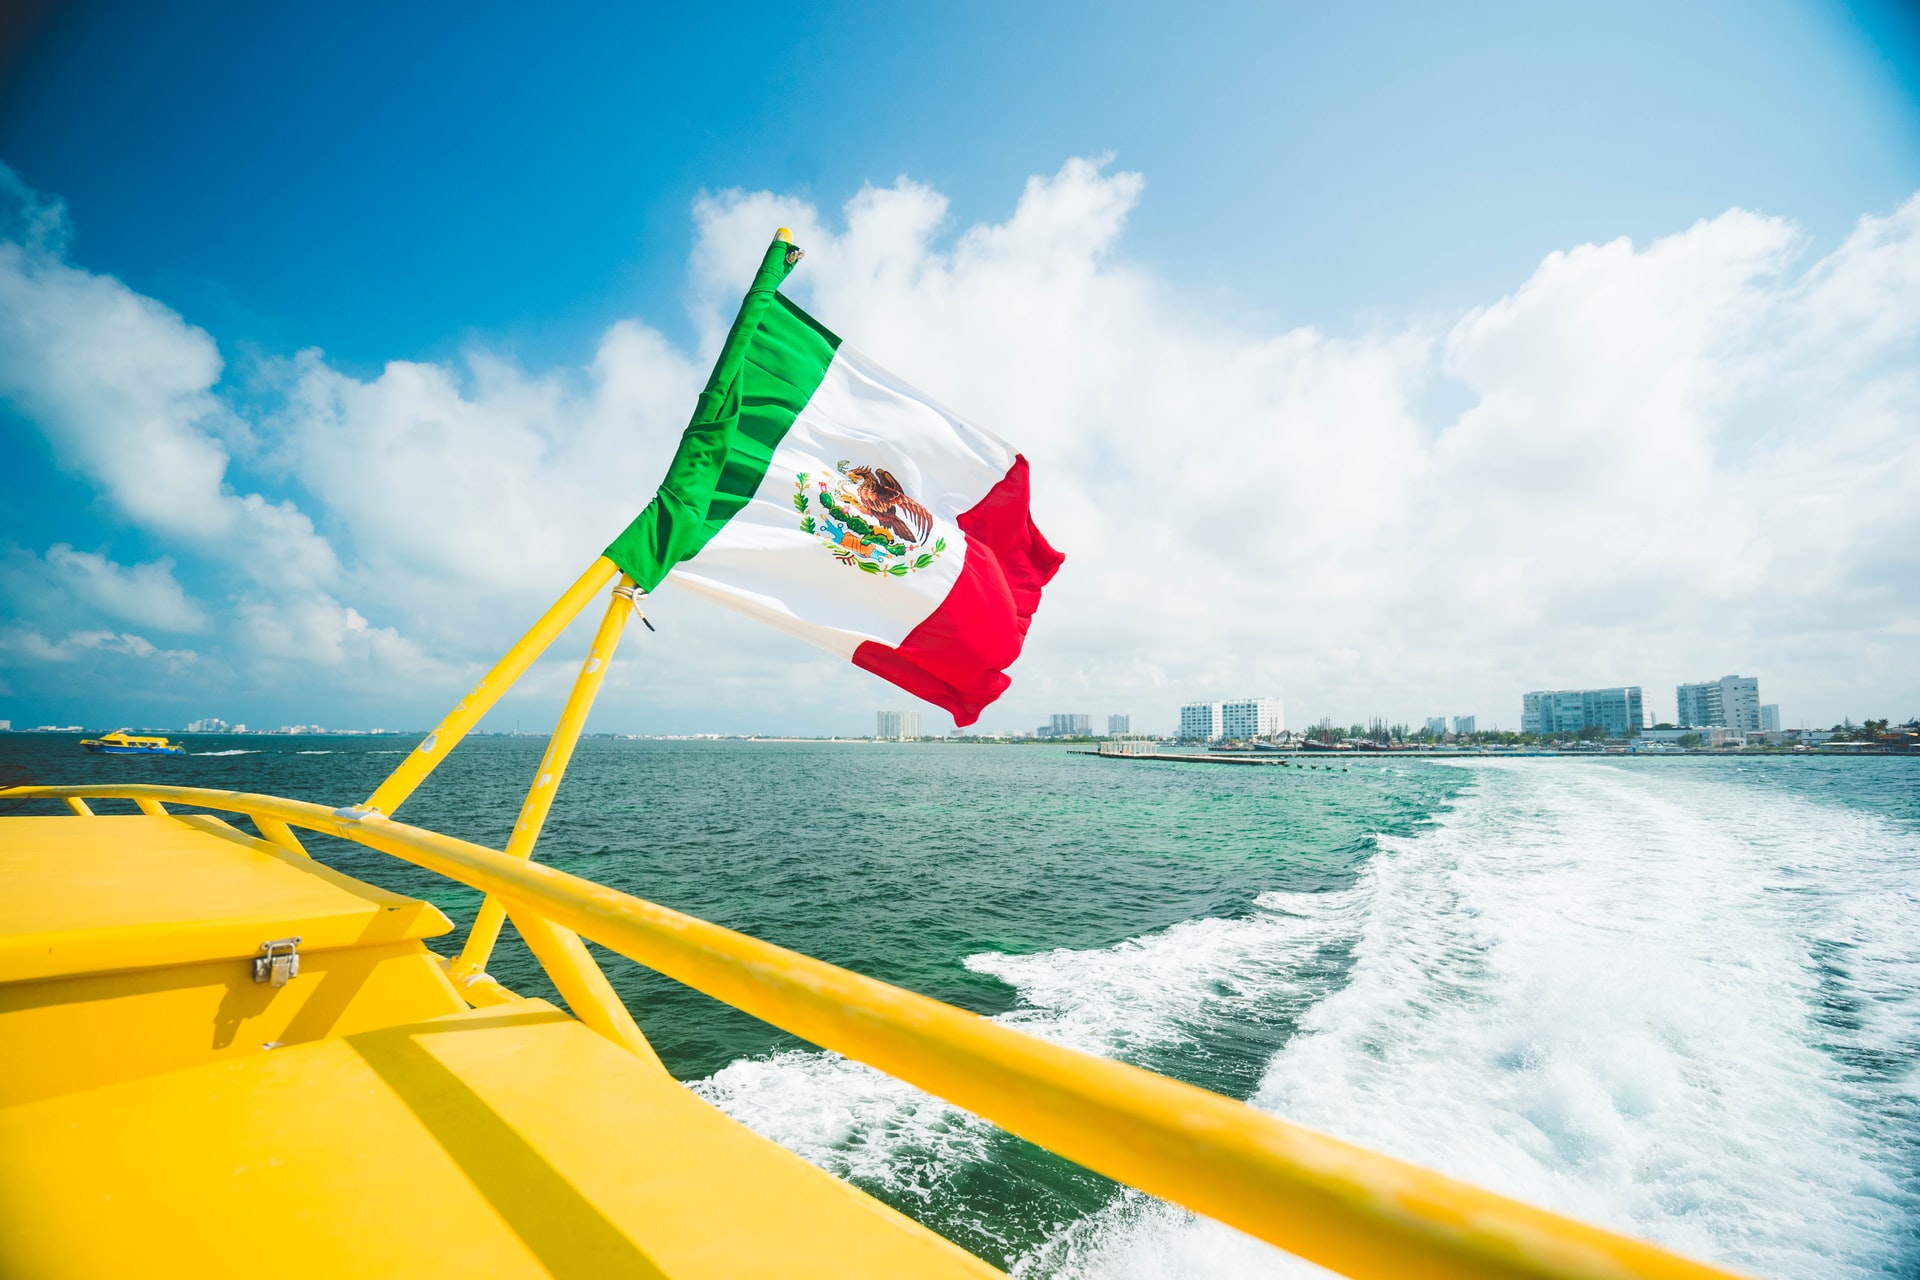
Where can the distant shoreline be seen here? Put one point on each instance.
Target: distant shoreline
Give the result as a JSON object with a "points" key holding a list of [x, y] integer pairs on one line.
{"points": [[1082, 746], [1346, 757]]}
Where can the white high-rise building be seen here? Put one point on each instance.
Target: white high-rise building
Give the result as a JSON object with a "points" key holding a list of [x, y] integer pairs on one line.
{"points": [[1119, 724], [897, 725], [1462, 726], [1437, 726], [1770, 717], [212, 724], [1551, 711], [1200, 721], [1073, 725], [1699, 706], [1731, 702], [1251, 718], [1740, 695]]}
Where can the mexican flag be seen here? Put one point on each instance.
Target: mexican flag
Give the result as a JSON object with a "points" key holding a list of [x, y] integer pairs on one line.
{"points": [[817, 492]]}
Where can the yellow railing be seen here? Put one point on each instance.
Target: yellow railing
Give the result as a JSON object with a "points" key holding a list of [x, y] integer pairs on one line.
{"points": [[1341, 1206]]}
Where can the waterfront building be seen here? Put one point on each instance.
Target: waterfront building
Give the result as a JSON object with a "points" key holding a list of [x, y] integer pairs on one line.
{"points": [[1437, 726], [212, 724], [1071, 726], [1252, 718], [1546, 712], [6, 726], [1462, 726], [1709, 736], [1119, 724], [1731, 702], [1770, 718], [1699, 704], [1200, 722], [897, 725]]}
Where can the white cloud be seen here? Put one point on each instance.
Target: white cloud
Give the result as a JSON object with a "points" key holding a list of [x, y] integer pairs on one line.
{"points": [[1674, 460], [32, 645], [143, 593], [122, 388], [28, 643], [319, 631], [500, 490]]}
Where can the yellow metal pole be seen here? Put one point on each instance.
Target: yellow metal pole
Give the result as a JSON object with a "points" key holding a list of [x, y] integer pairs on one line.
{"points": [[566, 959], [278, 832], [580, 981], [79, 806], [553, 767], [152, 808], [1346, 1208], [434, 748]]}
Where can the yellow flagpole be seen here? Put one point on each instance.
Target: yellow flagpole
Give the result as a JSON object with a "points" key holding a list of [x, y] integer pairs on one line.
{"points": [[559, 950], [413, 771], [553, 767]]}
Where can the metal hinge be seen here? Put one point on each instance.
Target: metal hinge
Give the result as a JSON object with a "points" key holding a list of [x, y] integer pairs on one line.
{"points": [[279, 963]]}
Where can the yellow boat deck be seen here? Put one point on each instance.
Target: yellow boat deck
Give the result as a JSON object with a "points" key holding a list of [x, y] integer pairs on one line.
{"points": [[164, 1113]]}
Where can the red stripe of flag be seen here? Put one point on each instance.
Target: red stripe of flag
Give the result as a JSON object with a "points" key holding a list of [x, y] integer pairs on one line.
{"points": [[957, 657]]}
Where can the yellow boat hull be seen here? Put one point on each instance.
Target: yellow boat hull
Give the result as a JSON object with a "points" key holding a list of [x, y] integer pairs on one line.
{"points": [[164, 1113]]}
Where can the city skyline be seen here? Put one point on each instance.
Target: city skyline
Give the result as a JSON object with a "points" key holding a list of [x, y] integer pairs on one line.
{"points": [[1731, 702]]}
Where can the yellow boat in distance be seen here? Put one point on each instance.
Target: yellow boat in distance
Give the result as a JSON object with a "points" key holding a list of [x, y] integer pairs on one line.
{"points": [[122, 743], [223, 1057]]}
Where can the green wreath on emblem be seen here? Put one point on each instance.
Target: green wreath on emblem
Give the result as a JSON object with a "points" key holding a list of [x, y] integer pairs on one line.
{"points": [[874, 551]]}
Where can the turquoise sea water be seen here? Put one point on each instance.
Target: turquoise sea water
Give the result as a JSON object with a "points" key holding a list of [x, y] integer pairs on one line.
{"points": [[1681, 997]]}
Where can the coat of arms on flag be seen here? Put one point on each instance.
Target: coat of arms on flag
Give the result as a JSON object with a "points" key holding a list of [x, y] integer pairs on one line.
{"points": [[805, 460], [904, 540]]}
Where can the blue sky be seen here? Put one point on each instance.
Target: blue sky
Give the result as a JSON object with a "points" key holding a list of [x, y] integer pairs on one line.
{"points": [[442, 184], [384, 184]]}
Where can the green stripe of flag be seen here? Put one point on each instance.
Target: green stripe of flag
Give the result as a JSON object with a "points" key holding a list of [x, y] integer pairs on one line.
{"points": [[769, 367]]}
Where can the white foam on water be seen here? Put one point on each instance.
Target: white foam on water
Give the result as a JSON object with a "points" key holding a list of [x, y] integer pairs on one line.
{"points": [[1152, 993], [313, 753], [237, 751], [1142, 995], [850, 1120], [1140, 1238], [1666, 1001]]}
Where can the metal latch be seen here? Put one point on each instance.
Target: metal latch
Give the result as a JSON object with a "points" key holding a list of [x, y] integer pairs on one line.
{"points": [[279, 963]]}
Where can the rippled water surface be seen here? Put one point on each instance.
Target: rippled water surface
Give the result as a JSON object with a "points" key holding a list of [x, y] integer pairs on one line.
{"points": [[1680, 997]]}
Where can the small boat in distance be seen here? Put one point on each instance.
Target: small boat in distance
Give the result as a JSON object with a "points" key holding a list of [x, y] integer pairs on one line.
{"points": [[122, 743]]}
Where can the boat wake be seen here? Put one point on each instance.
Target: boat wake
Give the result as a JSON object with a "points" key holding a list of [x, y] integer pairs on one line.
{"points": [[1158, 1000], [237, 751], [1675, 1002], [1670, 1003]]}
